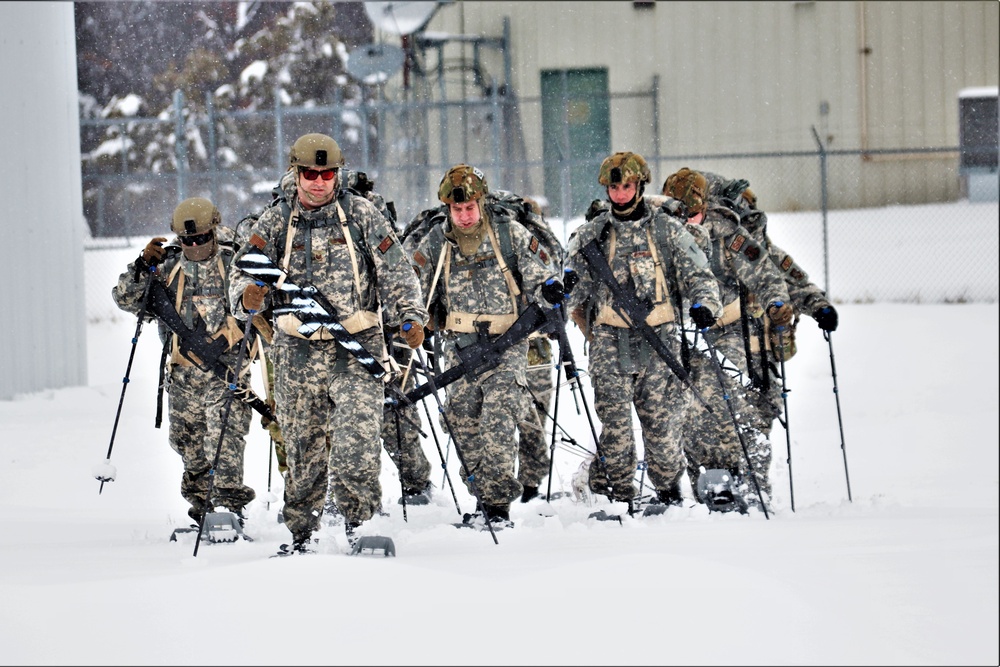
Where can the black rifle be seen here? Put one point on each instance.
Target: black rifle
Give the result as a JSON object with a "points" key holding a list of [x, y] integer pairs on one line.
{"points": [[309, 305], [634, 311], [483, 355], [199, 348]]}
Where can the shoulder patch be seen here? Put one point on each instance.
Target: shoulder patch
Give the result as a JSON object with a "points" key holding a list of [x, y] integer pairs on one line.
{"points": [[542, 255], [257, 242], [798, 275], [386, 243], [533, 246], [786, 263], [737, 243], [419, 258], [752, 252]]}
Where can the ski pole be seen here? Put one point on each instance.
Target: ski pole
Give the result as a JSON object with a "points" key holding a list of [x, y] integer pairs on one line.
{"points": [[552, 447], [446, 478], [399, 455], [233, 387], [840, 422], [784, 400], [270, 460], [471, 477], [720, 376], [107, 471]]}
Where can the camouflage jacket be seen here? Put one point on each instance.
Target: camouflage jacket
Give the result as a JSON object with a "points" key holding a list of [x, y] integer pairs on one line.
{"points": [[805, 295], [476, 284], [685, 266], [204, 287], [738, 259], [318, 254]]}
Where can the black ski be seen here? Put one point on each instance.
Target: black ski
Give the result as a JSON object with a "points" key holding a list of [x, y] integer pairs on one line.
{"points": [[308, 304], [198, 347]]}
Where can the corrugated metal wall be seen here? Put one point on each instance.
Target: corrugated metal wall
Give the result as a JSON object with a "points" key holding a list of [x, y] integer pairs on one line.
{"points": [[737, 77], [42, 304]]}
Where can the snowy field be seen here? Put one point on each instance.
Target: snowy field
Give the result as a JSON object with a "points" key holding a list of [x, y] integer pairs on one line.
{"points": [[905, 573]]}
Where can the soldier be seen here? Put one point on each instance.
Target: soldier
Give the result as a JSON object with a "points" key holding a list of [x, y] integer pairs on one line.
{"points": [[329, 405], [479, 269], [195, 268], [652, 255], [805, 297], [408, 455], [740, 266]]}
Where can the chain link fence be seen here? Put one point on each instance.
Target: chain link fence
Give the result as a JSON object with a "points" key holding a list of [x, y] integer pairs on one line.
{"points": [[899, 222]]}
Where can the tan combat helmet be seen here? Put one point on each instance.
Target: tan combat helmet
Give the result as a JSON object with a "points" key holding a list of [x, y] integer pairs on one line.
{"points": [[624, 167], [690, 187], [462, 183], [316, 151], [195, 216]]}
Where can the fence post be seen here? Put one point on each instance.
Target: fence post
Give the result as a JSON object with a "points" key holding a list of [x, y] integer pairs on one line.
{"points": [[655, 92], [823, 208], [180, 147], [279, 153], [495, 108], [212, 148]]}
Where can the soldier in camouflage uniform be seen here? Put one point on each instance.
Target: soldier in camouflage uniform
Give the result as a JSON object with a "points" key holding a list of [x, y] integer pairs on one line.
{"points": [[805, 297], [195, 268], [739, 264], [471, 287], [409, 457], [329, 406], [652, 253]]}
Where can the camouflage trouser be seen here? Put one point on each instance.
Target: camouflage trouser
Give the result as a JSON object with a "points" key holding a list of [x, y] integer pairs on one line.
{"points": [[710, 440], [330, 411], [196, 405], [533, 443], [484, 414], [627, 372], [406, 452]]}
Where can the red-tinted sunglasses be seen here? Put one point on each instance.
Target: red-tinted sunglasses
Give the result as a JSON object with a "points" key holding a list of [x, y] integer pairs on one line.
{"points": [[197, 239], [313, 174]]}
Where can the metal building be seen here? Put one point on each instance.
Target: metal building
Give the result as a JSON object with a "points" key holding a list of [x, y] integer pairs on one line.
{"points": [[42, 305]]}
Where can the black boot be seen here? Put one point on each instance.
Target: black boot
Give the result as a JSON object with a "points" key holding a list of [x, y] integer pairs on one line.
{"points": [[529, 493]]}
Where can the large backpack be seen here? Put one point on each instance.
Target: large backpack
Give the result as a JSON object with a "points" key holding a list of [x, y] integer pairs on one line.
{"points": [[501, 204]]}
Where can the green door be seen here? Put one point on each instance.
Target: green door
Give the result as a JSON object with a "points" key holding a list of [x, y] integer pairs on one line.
{"points": [[576, 137]]}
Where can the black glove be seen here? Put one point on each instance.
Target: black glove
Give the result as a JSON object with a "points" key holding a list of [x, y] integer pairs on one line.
{"points": [[552, 291], [702, 316], [826, 318], [571, 280]]}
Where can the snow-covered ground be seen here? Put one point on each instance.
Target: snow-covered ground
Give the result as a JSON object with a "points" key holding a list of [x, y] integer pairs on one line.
{"points": [[907, 573]]}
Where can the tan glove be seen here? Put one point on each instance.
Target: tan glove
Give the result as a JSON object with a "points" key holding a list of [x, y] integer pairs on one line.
{"points": [[152, 254], [412, 333], [253, 297], [580, 320], [781, 314]]}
